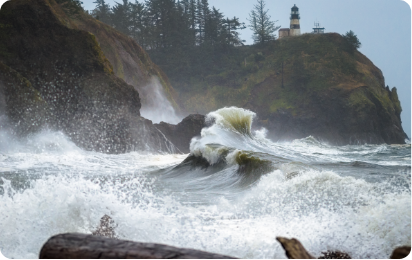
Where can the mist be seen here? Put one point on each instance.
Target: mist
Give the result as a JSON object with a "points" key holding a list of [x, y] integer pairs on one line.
{"points": [[155, 105]]}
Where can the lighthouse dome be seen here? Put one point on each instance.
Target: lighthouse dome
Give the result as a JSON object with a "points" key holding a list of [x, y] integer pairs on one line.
{"points": [[294, 14]]}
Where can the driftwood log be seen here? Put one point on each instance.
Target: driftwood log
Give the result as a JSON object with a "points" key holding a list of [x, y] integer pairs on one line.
{"points": [[401, 252], [75, 245], [294, 249]]}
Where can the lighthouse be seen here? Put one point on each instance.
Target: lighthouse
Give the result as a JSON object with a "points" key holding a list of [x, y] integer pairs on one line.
{"points": [[294, 21]]}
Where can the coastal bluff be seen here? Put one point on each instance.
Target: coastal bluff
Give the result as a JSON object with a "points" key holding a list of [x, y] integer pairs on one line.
{"points": [[56, 74], [308, 85]]}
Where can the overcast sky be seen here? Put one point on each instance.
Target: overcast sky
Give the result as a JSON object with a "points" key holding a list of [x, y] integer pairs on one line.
{"points": [[382, 26]]}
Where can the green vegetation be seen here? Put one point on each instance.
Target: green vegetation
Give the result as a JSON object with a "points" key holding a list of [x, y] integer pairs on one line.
{"points": [[271, 77], [169, 25], [352, 41], [263, 28], [71, 6]]}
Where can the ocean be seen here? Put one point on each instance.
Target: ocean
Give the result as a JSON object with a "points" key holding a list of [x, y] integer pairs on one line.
{"points": [[234, 194]]}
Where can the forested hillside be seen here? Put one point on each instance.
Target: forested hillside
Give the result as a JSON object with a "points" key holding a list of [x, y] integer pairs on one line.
{"points": [[188, 39]]}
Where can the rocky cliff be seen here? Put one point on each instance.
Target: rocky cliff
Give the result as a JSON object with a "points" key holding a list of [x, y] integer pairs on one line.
{"points": [[54, 74], [307, 85], [130, 62]]}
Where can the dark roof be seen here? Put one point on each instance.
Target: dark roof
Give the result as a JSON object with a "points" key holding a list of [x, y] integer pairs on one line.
{"points": [[295, 8], [284, 29]]}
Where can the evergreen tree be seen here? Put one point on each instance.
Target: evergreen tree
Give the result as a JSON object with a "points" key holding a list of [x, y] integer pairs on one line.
{"points": [[158, 24], [182, 36], [139, 29], [120, 17], [263, 28], [192, 21], [102, 11], [352, 41], [200, 21], [214, 29], [231, 26]]}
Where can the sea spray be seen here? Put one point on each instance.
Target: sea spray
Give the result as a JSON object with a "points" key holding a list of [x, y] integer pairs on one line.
{"points": [[155, 105], [243, 227], [352, 198]]}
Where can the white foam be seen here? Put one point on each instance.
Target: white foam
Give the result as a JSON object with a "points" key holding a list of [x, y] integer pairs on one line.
{"points": [[320, 208], [155, 105]]}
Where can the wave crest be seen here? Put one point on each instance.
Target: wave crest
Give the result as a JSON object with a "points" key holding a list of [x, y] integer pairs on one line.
{"points": [[233, 118]]}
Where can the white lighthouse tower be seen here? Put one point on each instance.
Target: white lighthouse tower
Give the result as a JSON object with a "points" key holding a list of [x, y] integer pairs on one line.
{"points": [[294, 21]]}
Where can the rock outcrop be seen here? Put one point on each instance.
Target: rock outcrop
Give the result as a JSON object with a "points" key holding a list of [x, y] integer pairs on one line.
{"points": [[182, 133], [20, 102], [302, 86], [56, 75]]}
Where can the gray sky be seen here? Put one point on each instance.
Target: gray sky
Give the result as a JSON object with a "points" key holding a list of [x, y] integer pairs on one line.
{"points": [[382, 26]]}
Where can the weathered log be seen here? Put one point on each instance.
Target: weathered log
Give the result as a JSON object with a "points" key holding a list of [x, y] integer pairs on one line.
{"points": [[294, 249], [401, 252], [75, 246]]}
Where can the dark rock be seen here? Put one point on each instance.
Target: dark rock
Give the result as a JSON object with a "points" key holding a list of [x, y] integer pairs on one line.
{"points": [[401, 252], [20, 103], [334, 255], [181, 134], [340, 117], [68, 83]]}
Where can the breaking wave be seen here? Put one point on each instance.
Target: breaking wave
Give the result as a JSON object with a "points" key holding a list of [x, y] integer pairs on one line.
{"points": [[233, 194]]}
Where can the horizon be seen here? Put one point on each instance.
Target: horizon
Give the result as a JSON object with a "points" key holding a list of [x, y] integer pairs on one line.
{"points": [[393, 56]]}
